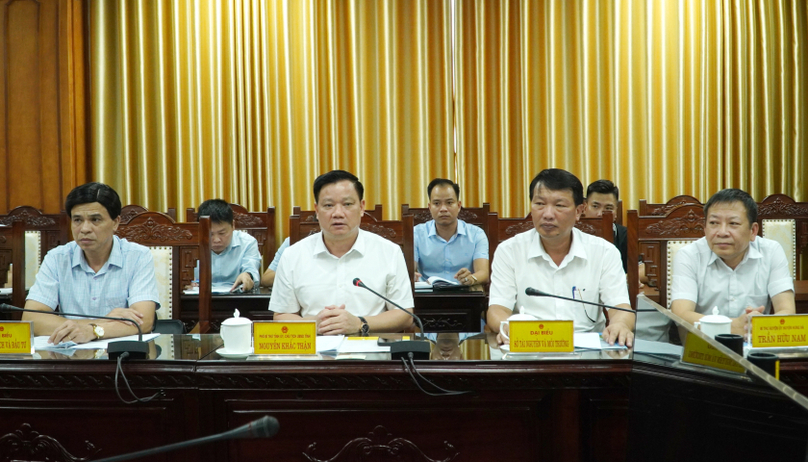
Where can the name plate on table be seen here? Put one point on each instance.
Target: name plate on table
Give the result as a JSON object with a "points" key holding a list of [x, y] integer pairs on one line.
{"points": [[285, 338], [779, 331], [698, 351], [541, 336], [16, 337]]}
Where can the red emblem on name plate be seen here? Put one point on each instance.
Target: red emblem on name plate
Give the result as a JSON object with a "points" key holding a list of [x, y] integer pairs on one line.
{"points": [[285, 329], [541, 326], [782, 321]]}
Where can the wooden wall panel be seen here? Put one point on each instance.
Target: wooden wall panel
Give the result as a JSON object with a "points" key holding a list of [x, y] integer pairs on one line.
{"points": [[41, 102]]}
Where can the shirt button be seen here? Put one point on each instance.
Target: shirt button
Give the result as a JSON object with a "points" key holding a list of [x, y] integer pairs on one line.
{"points": [[93, 298]]}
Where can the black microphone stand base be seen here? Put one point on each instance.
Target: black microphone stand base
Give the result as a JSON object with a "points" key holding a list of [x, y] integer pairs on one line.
{"points": [[136, 349], [402, 349]]}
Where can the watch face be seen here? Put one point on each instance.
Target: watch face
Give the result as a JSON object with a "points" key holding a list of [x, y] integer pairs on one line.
{"points": [[99, 331]]}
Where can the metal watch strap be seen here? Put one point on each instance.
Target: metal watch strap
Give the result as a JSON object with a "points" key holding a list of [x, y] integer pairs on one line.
{"points": [[365, 329]]}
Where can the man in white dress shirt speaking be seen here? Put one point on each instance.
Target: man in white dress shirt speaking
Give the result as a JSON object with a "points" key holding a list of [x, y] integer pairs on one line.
{"points": [[557, 258], [731, 267], [315, 276]]}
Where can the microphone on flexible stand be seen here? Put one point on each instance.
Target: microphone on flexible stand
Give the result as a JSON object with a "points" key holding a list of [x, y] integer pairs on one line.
{"points": [[137, 349], [538, 293], [402, 349], [265, 427]]}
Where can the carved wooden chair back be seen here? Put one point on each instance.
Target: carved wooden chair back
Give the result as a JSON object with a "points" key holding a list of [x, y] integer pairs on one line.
{"points": [[260, 225], [12, 262], [598, 226], [660, 210], [472, 215], [129, 211], [43, 232], [175, 247], [658, 238], [398, 231], [785, 220]]}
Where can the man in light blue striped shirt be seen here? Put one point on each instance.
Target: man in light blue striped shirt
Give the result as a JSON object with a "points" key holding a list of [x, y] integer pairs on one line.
{"points": [[97, 274]]}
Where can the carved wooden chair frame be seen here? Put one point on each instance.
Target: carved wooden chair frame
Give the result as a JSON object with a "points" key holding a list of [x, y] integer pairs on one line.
{"points": [[189, 242], [649, 236]]}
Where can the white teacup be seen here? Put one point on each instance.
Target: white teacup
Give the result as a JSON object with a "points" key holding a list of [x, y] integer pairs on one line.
{"points": [[714, 324], [504, 326], [236, 332]]}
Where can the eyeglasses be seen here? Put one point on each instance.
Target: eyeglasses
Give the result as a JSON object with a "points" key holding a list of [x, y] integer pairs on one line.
{"points": [[576, 295]]}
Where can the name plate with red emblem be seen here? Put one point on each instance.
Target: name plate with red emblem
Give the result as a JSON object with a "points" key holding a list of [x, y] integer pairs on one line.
{"points": [[16, 338], [285, 337], [780, 331], [541, 336]]}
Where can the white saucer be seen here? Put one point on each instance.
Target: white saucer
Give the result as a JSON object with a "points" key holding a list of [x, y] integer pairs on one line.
{"points": [[226, 354]]}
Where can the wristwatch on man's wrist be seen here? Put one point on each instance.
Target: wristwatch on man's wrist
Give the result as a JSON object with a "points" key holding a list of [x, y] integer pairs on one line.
{"points": [[365, 329], [98, 331]]}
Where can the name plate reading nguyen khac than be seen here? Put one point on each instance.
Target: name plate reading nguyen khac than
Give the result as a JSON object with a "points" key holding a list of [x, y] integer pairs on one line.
{"points": [[285, 337]]}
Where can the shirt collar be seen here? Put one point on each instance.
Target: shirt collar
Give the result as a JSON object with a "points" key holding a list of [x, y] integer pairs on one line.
{"points": [[358, 246], [576, 249], [751, 252], [115, 257], [432, 228]]}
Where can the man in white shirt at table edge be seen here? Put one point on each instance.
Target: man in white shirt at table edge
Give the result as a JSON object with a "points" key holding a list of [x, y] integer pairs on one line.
{"points": [[557, 258], [731, 267], [315, 276]]}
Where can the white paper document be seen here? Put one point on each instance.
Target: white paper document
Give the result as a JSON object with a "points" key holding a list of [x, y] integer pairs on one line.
{"points": [[329, 344], [41, 343], [592, 341], [217, 288], [361, 345]]}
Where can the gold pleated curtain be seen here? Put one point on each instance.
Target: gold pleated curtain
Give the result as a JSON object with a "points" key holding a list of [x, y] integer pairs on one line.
{"points": [[250, 100], [663, 97]]}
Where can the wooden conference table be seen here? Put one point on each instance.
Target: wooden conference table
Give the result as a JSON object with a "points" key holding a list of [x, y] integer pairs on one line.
{"points": [[634, 405]]}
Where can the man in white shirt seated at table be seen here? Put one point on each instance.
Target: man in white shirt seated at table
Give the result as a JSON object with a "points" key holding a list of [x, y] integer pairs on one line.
{"points": [[97, 274], [731, 267], [557, 258], [315, 276], [235, 258], [447, 247]]}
